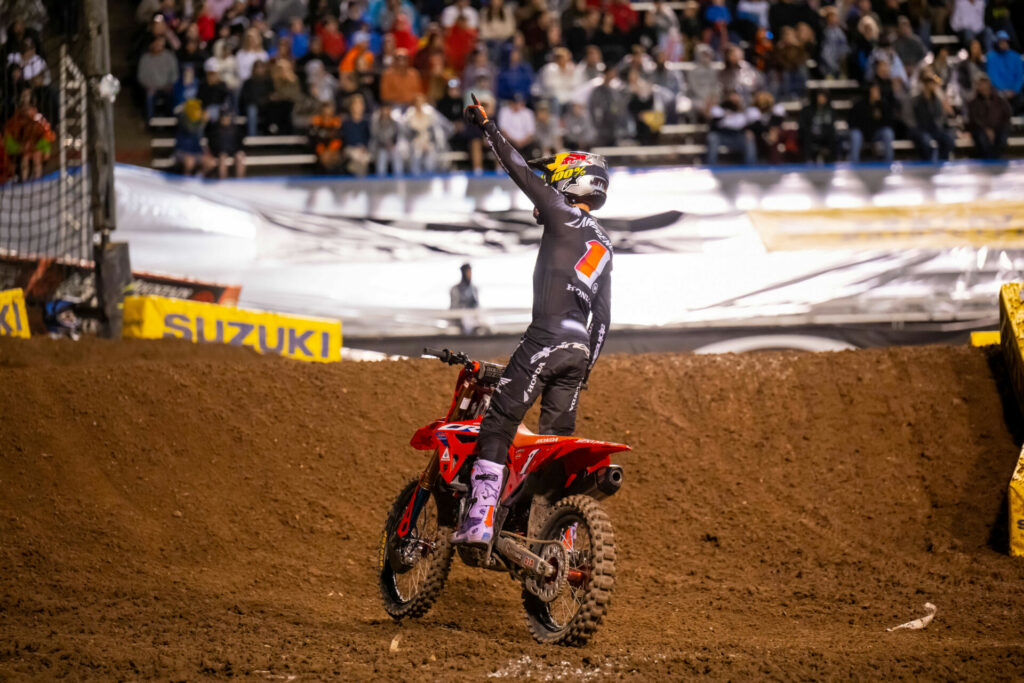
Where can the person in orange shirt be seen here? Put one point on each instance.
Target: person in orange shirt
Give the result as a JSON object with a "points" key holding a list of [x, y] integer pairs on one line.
{"points": [[400, 83], [360, 50]]}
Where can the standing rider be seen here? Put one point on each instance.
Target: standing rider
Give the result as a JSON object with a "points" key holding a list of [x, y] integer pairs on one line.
{"points": [[571, 285]]}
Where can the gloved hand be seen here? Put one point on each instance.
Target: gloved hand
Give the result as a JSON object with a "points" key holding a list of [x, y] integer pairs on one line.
{"points": [[474, 114]]}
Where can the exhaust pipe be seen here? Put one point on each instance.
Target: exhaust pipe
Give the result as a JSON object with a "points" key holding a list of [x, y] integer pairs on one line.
{"points": [[609, 479]]}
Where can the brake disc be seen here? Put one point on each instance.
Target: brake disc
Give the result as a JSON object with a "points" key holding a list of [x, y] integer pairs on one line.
{"points": [[549, 588]]}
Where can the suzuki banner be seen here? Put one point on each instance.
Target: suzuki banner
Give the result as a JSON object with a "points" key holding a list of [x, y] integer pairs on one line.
{"points": [[13, 318], [292, 336]]}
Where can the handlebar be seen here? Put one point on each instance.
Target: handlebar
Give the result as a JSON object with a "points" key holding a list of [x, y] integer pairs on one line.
{"points": [[486, 373]]}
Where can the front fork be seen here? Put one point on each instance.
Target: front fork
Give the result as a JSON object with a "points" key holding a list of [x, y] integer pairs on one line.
{"points": [[419, 496]]}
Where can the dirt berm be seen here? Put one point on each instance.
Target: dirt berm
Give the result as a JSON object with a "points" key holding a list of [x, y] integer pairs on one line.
{"points": [[176, 512]]}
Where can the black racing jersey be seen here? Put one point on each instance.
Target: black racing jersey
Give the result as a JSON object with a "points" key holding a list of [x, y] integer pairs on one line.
{"points": [[572, 279]]}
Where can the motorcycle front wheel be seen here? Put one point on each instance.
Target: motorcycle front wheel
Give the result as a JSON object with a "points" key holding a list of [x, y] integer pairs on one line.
{"points": [[413, 569], [582, 526]]}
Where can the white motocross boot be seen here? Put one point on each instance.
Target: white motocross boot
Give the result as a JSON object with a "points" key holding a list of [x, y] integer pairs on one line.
{"points": [[477, 526]]}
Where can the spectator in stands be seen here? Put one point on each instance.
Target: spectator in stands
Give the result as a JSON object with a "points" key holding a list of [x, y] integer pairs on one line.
{"points": [[27, 138], [213, 93], [549, 131], [157, 73], [31, 62], [862, 45], [871, 119], [610, 41], [206, 24], [460, 8], [931, 119], [516, 78], [717, 18], [255, 96], [519, 125], [988, 120], [834, 45], [772, 141], [646, 120], [703, 81], [400, 84], [497, 26], [286, 95], [607, 109], [186, 87], [46, 98], [252, 52], [577, 129], [331, 39], [558, 80], [941, 65], [968, 70], [385, 140], [459, 41], [191, 54], [968, 21], [298, 37], [423, 127], [188, 143], [732, 127], [1006, 70], [668, 85], [225, 143], [479, 67], [355, 138], [325, 135], [592, 66], [690, 25], [360, 50], [884, 52], [320, 85], [17, 33], [738, 76], [817, 130], [1001, 15], [908, 46], [791, 59]]}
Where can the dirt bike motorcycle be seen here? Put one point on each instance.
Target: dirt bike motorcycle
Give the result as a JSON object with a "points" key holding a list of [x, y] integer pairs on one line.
{"points": [[550, 532]]}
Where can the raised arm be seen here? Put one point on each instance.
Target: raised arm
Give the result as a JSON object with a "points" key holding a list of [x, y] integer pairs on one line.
{"points": [[539, 192]]}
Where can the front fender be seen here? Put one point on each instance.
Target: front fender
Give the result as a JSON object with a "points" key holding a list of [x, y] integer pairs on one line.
{"points": [[423, 439]]}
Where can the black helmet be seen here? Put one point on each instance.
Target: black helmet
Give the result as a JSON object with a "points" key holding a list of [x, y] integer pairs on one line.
{"points": [[580, 176]]}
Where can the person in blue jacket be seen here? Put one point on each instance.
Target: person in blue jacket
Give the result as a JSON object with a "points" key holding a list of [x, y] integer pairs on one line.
{"points": [[1006, 70]]}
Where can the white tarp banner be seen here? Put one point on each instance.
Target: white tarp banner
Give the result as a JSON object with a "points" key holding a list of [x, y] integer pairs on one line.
{"points": [[382, 254]]}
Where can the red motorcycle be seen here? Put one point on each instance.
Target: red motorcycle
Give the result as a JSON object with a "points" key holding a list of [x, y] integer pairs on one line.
{"points": [[550, 532]]}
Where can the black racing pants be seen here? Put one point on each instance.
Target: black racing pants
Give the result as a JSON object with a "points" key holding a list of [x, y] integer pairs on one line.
{"points": [[555, 373]]}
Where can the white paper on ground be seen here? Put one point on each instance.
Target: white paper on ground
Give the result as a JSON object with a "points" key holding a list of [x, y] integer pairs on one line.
{"points": [[918, 623]]}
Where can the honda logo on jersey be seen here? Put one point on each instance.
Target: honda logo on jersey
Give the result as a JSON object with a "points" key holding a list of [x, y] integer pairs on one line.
{"points": [[589, 267]]}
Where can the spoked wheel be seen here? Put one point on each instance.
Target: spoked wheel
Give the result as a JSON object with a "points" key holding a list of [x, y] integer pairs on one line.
{"points": [[581, 525], [413, 568]]}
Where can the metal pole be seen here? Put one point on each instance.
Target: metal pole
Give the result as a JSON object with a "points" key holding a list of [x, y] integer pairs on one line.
{"points": [[101, 120]]}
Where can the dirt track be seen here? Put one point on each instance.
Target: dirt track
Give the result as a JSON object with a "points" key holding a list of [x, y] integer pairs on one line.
{"points": [[175, 511]]}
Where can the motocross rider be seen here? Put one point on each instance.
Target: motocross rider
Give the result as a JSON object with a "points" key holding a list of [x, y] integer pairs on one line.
{"points": [[571, 312]]}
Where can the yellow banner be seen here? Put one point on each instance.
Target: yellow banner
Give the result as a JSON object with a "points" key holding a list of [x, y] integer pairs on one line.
{"points": [[292, 336], [997, 224], [13, 318]]}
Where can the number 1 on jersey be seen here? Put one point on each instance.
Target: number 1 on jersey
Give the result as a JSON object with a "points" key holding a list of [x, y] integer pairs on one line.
{"points": [[589, 268]]}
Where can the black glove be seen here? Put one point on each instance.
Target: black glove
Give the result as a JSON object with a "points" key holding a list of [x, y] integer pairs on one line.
{"points": [[474, 114]]}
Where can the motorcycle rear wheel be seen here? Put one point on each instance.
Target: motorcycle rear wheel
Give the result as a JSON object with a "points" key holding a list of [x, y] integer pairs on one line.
{"points": [[575, 614], [410, 591]]}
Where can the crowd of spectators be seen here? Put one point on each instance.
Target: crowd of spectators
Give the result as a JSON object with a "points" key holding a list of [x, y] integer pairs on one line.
{"points": [[379, 85], [28, 96]]}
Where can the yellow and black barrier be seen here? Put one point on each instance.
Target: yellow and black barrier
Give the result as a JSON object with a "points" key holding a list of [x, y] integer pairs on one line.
{"points": [[13, 316], [299, 337], [1011, 333]]}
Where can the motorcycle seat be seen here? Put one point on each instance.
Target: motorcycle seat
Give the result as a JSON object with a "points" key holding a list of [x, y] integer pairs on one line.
{"points": [[524, 438]]}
